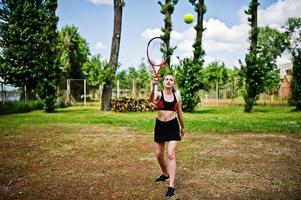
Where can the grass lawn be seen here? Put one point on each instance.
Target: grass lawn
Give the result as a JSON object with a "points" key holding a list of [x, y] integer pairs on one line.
{"points": [[81, 153]]}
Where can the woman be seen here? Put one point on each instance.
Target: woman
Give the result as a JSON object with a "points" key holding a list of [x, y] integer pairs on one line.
{"points": [[167, 129]]}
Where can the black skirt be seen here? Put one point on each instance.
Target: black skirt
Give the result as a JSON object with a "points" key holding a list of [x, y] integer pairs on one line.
{"points": [[167, 131]]}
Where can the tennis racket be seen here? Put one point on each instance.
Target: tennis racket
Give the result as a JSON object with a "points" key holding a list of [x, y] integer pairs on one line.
{"points": [[156, 54]]}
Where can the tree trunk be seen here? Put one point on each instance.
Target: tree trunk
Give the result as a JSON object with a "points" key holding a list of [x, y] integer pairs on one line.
{"points": [[168, 30], [107, 90], [167, 9], [199, 30], [254, 35], [251, 60]]}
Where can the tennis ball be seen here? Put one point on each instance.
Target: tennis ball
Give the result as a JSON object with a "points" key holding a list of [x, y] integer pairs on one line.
{"points": [[188, 18]]}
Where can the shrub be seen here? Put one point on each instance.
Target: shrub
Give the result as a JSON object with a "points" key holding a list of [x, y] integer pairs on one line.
{"points": [[20, 106]]}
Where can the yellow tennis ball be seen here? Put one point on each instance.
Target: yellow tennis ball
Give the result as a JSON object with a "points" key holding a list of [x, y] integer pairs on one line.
{"points": [[188, 18]]}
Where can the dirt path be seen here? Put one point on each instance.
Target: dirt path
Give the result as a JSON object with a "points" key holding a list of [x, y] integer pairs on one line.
{"points": [[100, 162]]}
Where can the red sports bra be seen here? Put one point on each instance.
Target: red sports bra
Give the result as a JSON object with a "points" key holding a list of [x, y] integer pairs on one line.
{"points": [[165, 105]]}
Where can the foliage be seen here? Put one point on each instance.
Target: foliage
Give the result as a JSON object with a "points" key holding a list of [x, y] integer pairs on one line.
{"points": [[251, 71], [11, 107], [189, 77], [143, 78], [272, 81], [235, 81], [28, 40], [21, 41], [74, 52], [215, 74], [123, 81], [293, 30], [271, 44], [93, 71], [132, 75], [49, 75], [139, 76], [260, 71], [296, 83]]}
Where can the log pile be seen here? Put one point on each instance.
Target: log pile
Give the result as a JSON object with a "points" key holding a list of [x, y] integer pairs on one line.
{"points": [[126, 104]]}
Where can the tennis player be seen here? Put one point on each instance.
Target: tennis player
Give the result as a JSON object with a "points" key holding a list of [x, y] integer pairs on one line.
{"points": [[167, 130]]}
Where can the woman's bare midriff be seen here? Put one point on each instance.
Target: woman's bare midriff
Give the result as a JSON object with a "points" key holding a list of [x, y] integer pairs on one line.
{"points": [[166, 115]]}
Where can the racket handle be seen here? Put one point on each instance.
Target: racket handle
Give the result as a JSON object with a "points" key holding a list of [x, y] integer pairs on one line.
{"points": [[156, 88]]}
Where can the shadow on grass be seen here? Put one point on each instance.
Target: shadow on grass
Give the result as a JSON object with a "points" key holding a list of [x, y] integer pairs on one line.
{"points": [[206, 111], [70, 110], [258, 110]]}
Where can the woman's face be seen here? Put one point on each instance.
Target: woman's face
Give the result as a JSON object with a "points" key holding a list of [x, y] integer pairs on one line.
{"points": [[169, 81]]}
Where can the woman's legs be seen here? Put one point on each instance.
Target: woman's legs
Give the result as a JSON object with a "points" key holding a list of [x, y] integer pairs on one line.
{"points": [[172, 166], [160, 156]]}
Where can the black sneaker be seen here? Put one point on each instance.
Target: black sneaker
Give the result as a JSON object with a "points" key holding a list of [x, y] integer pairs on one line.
{"points": [[162, 178], [170, 193]]}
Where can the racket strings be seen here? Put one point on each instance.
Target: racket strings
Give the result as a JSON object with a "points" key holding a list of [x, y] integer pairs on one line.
{"points": [[157, 50]]}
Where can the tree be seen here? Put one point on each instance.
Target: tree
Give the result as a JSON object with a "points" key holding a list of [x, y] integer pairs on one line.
{"points": [[234, 82], [189, 71], [92, 70], [293, 31], [74, 52], [253, 74], [271, 44], [123, 80], [200, 9], [296, 83], [21, 41], [49, 72], [113, 63], [143, 79], [215, 76], [272, 81], [28, 39], [167, 9], [132, 78], [260, 72], [189, 79]]}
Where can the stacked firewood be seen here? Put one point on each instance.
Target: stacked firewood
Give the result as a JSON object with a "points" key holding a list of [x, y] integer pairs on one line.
{"points": [[126, 104]]}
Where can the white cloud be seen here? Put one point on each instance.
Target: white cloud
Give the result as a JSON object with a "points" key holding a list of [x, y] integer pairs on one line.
{"points": [[156, 32], [99, 46], [98, 2], [150, 33], [220, 32], [285, 58], [278, 13], [176, 35], [229, 44]]}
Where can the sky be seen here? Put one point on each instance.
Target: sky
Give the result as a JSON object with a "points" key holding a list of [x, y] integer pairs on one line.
{"points": [[225, 38]]}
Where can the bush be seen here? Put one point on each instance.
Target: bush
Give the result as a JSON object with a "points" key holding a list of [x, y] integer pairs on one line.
{"points": [[190, 80], [20, 106], [125, 104]]}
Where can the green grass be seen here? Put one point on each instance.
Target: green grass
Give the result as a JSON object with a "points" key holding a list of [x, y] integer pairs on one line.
{"points": [[205, 119]]}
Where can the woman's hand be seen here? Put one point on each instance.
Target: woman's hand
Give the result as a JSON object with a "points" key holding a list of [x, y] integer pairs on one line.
{"points": [[182, 132], [155, 81]]}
